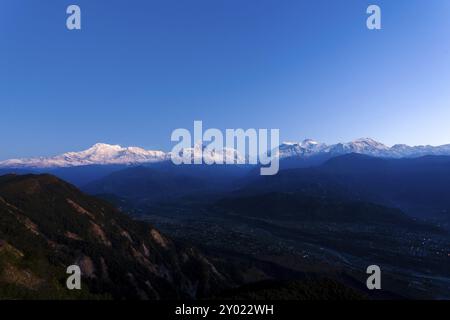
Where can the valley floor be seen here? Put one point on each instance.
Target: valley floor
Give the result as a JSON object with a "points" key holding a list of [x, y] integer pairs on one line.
{"points": [[414, 264]]}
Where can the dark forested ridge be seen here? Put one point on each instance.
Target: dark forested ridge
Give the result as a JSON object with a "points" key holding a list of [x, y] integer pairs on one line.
{"points": [[47, 225]]}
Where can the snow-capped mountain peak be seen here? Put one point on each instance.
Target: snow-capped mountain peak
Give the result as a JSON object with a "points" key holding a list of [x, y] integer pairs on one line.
{"points": [[210, 155], [367, 141], [100, 145], [366, 146], [299, 149], [308, 142]]}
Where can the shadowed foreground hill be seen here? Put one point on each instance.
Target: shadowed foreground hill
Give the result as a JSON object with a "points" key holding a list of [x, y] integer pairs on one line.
{"points": [[47, 225]]}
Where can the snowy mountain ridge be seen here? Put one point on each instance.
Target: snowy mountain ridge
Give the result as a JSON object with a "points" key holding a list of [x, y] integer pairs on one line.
{"points": [[365, 146], [106, 154], [98, 154]]}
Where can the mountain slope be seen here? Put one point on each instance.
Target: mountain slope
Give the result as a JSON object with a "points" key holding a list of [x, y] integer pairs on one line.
{"points": [[47, 225]]}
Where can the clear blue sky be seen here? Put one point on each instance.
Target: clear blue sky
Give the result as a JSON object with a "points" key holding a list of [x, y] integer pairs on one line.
{"points": [[139, 69]]}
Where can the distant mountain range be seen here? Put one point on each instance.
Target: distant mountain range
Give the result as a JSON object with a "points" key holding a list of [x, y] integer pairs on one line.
{"points": [[364, 146], [418, 186], [105, 154]]}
